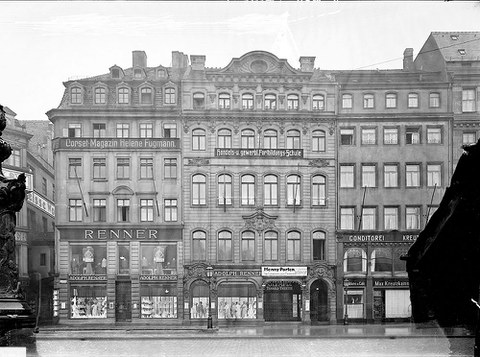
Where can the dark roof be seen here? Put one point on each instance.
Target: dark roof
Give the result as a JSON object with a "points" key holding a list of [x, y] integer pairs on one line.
{"points": [[449, 44]]}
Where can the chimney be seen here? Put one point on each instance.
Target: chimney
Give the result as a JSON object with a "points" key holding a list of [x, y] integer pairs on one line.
{"points": [[307, 63], [408, 59], [139, 59], [198, 62], [179, 59]]}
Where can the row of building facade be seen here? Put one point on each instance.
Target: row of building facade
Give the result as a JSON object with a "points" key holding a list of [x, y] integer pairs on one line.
{"points": [[260, 191]]}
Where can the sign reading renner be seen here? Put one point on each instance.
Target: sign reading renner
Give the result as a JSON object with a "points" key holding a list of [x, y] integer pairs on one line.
{"points": [[260, 153], [284, 271]]}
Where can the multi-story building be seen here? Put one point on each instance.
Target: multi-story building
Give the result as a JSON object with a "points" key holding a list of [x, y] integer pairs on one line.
{"points": [[118, 194], [259, 190]]}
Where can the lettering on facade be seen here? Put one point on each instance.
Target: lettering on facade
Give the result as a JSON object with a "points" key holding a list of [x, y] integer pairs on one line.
{"points": [[390, 283], [220, 273], [284, 271], [409, 237], [41, 203], [354, 283], [115, 143], [367, 238], [158, 277], [20, 236], [119, 234], [260, 153], [380, 237], [88, 277]]}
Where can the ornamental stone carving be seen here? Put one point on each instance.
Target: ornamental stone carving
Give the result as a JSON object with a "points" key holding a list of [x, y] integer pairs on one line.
{"points": [[319, 163], [259, 221]]}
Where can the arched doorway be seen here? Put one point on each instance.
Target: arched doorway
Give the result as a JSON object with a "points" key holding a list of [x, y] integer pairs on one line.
{"points": [[318, 301], [282, 301]]}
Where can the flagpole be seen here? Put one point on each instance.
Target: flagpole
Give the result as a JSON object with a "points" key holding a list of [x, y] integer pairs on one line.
{"points": [[431, 201], [156, 193], [81, 192]]}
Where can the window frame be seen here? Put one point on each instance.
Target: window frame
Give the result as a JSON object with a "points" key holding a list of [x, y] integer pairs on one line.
{"points": [[369, 101], [170, 96], [293, 139], [224, 138], [293, 102], [418, 174], [170, 210], [347, 101], [224, 101], [199, 190], [391, 100], [319, 191], [250, 240], [294, 238], [434, 100], [249, 99], [146, 95], [469, 104], [318, 99], [100, 96], [347, 135], [146, 211], [413, 100], [77, 96], [270, 101], [344, 180], [270, 199], [199, 137], [247, 190], [123, 95]]}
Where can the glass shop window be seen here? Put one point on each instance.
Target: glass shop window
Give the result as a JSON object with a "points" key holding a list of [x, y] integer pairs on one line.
{"points": [[158, 259], [237, 301], [88, 302], [200, 300], [158, 301], [88, 259]]}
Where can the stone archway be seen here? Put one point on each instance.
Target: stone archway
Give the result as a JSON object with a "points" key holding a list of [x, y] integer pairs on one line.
{"points": [[319, 302]]}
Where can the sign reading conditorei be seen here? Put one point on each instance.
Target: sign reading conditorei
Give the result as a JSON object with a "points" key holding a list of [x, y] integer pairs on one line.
{"points": [[116, 143], [284, 271], [260, 153]]}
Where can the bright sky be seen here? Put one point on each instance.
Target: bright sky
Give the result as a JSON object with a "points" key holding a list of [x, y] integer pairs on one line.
{"points": [[46, 43]]}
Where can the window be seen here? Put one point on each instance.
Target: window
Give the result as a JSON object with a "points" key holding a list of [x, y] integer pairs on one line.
{"points": [[75, 167], [369, 136], [247, 101], [382, 260], [347, 218], [146, 130], [43, 259], [399, 265], [468, 100], [270, 245], [88, 301], [293, 245], [123, 95], [44, 186], [248, 190], [225, 139], [123, 130], [237, 301], [100, 96], [248, 139], [412, 100], [99, 168], [76, 95], [270, 139], [390, 175], [347, 176], [368, 101], [390, 100], [74, 130], [346, 136], [170, 96], [99, 130], [224, 189], [137, 73], [15, 158], [434, 175], [318, 140], [434, 135], [123, 210], [161, 73], [75, 210], [292, 102], [199, 241], [390, 136], [434, 100], [369, 216], [200, 300], [158, 259], [293, 139], [318, 245], [293, 190], [169, 130], [123, 167], [224, 101], [347, 101], [224, 245], [198, 100], [170, 210], [390, 215], [170, 168], [412, 136], [318, 102], [198, 190], [198, 140], [369, 176], [146, 168], [146, 210], [412, 217], [99, 210], [469, 138], [270, 190], [412, 175], [270, 101], [146, 96], [44, 224], [318, 191], [355, 261], [248, 246]]}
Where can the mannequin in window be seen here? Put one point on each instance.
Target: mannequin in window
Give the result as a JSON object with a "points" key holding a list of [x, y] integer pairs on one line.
{"points": [[159, 258], [88, 258]]}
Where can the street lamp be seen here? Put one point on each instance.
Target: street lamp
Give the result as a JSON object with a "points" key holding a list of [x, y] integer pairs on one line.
{"points": [[209, 271]]}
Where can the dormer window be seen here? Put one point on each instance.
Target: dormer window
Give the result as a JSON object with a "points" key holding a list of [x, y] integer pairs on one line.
{"points": [[454, 37], [146, 95], [161, 73], [100, 95], [123, 95], [137, 73], [462, 52], [170, 97], [76, 95], [115, 73]]}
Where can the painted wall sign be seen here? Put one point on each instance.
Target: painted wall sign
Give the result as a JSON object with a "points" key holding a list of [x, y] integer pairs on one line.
{"points": [[260, 153], [114, 233], [116, 143], [89, 277], [390, 283], [284, 271], [349, 283], [41, 203], [158, 277], [220, 273]]}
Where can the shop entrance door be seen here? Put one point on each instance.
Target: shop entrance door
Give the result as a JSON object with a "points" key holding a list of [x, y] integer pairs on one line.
{"points": [[318, 302], [123, 298], [282, 301]]}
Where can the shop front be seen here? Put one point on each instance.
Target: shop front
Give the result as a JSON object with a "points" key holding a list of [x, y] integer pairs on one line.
{"points": [[391, 299]]}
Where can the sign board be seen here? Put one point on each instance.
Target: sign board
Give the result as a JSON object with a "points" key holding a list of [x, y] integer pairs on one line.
{"points": [[158, 277], [378, 237], [390, 283], [284, 271], [236, 273], [89, 277], [116, 143], [260, 153]]}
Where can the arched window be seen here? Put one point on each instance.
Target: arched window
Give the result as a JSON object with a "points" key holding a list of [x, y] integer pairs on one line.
{"points": [[347, 101], [355, 260], [368, 101], [270, 246], [382, 260], [100, 95], [318, 140], [199, 190], [318, 245], [270, 139], [198, 140], [224, 101], [247, 101], [248, 139], [200, 300], [224, 138], [293, 139], [198, 100], [199, 239], [293, 245], [270, 102], [248, 246], [318, 190], [293, 190], [391, 100], [248, 190], [318, 102], [292, 102], [123, 95], [412, 100], [224, 189], [76, 95], [170, 96], [224, 245], [270, 190], [146, 96]]}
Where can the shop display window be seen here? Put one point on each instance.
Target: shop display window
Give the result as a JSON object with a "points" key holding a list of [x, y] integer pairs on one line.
{"points": [[399, 265], [158, 301], [158, 259], [355, 260], [353, 304], [382, 260], [88, 259], [88, 302], [200, 300], [237, 301]]}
